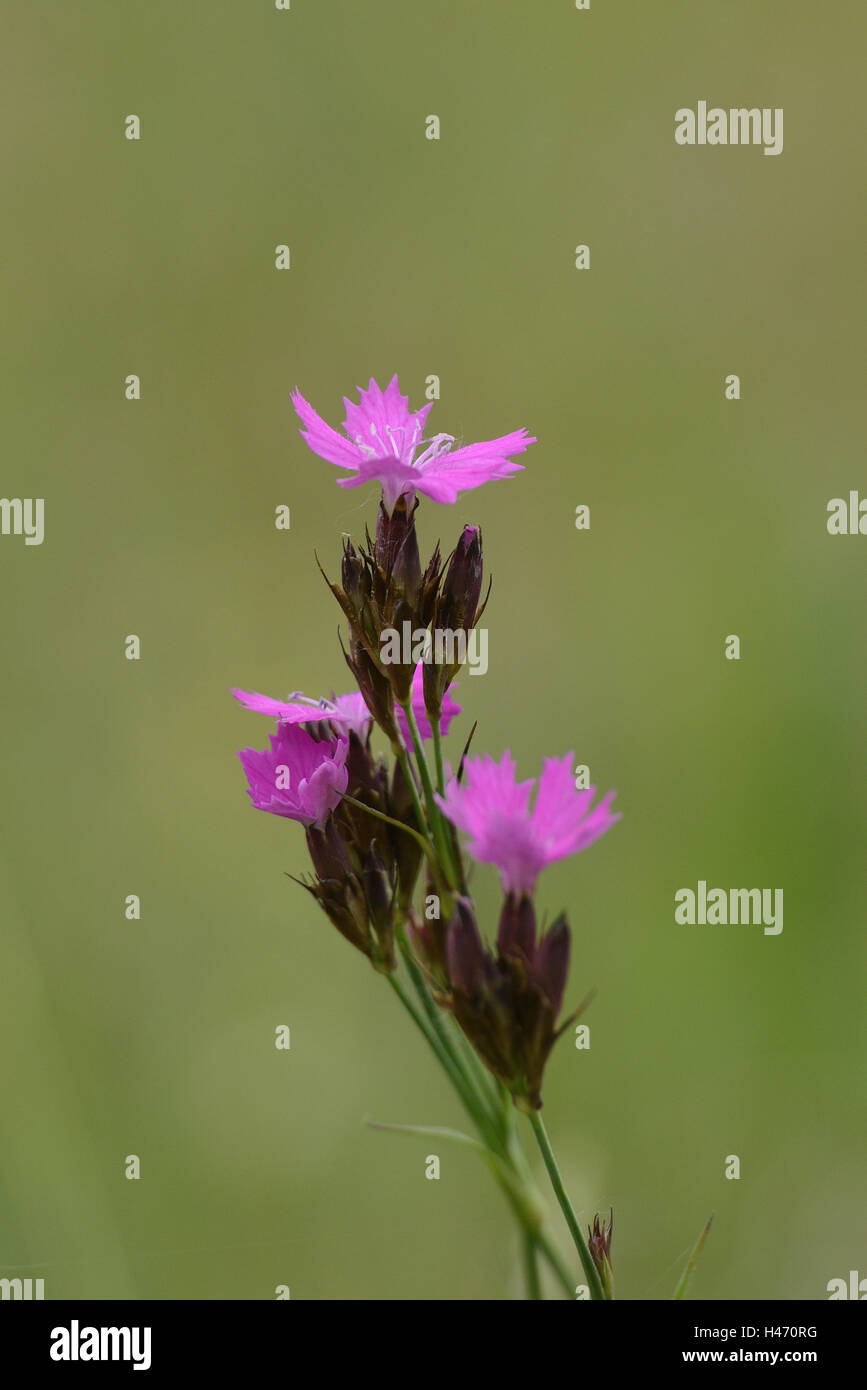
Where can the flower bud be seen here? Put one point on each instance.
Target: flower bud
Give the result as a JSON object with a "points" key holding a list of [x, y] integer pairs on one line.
{"points": [[462, 586], [599, 1240], [465, 953], [507, 1005], [517, 929], [396, 534], [379, 892], [354, 576], [404, 563], [551, 963], [456, 611], [337, 888], [360, 903], [429, 588], [328, 851], [374, 686]]}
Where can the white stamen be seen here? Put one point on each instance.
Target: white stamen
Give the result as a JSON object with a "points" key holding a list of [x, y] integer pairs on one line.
{"points": [[394, 445], [300, 699], [439, 445]]}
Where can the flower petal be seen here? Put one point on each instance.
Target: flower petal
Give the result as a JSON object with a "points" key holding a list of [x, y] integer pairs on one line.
{"points": [[397, 478], [322, 439], [382, 424], [459, 470], [287, 711]]}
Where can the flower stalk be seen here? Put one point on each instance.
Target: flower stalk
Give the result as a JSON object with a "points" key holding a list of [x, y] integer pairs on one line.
{"points": [[591, 1273]]}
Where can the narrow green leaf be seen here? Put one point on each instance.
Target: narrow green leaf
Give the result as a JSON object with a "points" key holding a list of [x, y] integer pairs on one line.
{"points": [[431, 1132], [689, 1271]]}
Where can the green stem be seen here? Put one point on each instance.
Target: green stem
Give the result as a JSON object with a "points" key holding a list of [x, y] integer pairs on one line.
{"points": [[485, 1080], [448, 829], [590, 1271], [443, 1056], [519, 1200], [482, 1077], [400, 755], [421, 760], [557, 1263], [438, 753], [507, 1152], [399, 825], [475, 1101], [517, 1191], [531, 1265], [524, 1204], [412, 1011], [518, 1160], [440, 833]]}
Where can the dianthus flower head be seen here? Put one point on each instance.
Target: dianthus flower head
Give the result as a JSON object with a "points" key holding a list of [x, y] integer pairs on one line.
{"points": [[297, 776], [384, 442], [493, 809], [345, 713]]}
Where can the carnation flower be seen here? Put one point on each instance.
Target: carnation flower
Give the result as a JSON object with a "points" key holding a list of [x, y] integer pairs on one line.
{"points": [[345, 713], [493, 809], [384, 441], [297, 776]]}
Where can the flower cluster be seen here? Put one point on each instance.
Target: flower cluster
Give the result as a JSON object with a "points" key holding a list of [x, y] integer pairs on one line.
{"points": [[372, 825]]}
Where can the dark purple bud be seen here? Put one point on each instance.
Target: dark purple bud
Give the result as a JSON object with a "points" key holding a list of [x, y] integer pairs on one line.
{"points": [[517, 929], [433, 685], [374, 686], [454, 612], [406, 570], [465, 952], [392, 534], [379, 891], [430, 588], [356, 581], [400, 673], [366, 775], [343, 902], [462, 585], [328, 852], [551, 965]]}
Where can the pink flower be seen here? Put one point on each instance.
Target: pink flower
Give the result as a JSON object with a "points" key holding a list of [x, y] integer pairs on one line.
{"points": [[450, 709], [383, 437], [494, 811], [297, 777], [346, 713]]}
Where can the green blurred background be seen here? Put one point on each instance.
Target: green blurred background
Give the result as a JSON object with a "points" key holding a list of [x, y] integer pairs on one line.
{"points": [[453, 258]]}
